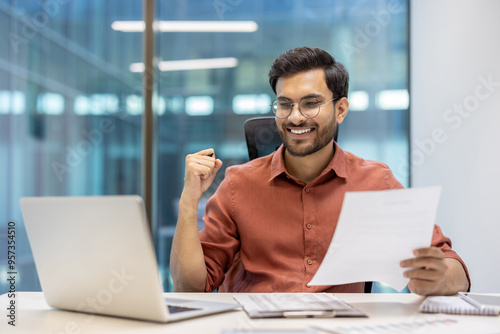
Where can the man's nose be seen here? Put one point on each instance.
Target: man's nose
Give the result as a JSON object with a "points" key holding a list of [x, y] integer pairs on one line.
{"points": [[295, 114]]}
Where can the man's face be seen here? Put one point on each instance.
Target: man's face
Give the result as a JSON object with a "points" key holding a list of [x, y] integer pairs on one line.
{"points": [[304, 136]]}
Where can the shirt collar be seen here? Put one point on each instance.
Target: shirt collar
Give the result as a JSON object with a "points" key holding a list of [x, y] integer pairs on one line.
{"points": [[337, 165]]}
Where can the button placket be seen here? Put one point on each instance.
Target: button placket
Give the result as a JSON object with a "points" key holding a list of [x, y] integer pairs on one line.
{"points": [[309, 235]]}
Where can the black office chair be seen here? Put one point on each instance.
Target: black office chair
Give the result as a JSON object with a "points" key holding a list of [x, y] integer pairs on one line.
{"points": [[263, 137]]}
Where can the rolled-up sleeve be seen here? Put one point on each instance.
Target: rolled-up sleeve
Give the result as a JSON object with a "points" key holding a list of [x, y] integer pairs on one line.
{"points": [[444, 243], [219, 237]]}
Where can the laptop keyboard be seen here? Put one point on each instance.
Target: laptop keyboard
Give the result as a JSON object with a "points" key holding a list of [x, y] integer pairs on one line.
{"points": [[178, 309]]}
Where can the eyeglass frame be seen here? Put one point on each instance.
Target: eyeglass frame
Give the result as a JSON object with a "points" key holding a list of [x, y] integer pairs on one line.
{"points": [[298, 105]]}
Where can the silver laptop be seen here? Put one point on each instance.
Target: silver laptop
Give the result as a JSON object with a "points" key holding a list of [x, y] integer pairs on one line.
{"points": [[96, 255]]}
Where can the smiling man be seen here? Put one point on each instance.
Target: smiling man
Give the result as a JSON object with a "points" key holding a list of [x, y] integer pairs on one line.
{"points": [[270, 222]]}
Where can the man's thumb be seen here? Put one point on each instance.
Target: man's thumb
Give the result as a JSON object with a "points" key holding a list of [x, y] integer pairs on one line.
{"points": [[218, 165]]}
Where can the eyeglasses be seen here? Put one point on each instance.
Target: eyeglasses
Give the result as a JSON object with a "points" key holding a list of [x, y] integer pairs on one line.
{"points": [[309, 107]]}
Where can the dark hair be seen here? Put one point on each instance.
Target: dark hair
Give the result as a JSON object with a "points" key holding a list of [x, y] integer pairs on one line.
{"points": [[304, 59]]}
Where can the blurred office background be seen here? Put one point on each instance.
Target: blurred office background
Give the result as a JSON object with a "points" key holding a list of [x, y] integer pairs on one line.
{"points": [[71, 94], [455, 120]]}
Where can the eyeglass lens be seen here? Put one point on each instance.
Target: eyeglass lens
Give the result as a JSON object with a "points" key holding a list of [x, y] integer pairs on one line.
{"points": [[309, 107]]}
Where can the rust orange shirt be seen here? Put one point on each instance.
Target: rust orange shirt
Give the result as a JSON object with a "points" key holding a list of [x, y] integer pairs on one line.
{"points": [[266, 231]]}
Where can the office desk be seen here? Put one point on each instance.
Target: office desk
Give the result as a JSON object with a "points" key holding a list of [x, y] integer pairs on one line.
{"points": [[33, 315]]}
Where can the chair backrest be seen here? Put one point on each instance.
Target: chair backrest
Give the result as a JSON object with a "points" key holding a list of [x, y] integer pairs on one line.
{"points": [[262, 136]]}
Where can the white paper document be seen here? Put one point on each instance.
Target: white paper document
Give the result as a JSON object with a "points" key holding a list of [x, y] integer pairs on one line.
{"points": [[295, 305], [415, 325], [375, 232]]}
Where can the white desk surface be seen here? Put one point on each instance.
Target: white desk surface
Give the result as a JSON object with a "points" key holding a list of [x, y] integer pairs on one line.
{"points": [[33, 315]]}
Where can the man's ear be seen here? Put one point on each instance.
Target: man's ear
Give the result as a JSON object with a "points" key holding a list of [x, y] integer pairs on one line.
{"points": [[342, 106]]}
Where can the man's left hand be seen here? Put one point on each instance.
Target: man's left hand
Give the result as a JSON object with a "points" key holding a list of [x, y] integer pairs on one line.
{"points": [[430, 273]]}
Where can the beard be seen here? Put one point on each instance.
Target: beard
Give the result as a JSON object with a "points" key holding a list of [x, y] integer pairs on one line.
{"points": [[324, 135]]}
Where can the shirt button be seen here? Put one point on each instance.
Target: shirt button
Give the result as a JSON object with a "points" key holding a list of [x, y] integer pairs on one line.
{"points": [[309, 262], [309, 226], [307, 190]]}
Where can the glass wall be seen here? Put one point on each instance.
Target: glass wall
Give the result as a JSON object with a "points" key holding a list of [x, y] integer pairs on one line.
{"points": [[70, 110], [71, 94], [202, 108]]}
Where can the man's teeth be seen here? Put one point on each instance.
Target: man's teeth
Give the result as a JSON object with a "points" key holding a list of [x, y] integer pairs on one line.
{"points": [[299, 132]]}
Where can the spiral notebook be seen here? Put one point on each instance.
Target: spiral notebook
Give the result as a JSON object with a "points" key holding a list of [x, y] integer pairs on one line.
{"points": [[458, 304]]}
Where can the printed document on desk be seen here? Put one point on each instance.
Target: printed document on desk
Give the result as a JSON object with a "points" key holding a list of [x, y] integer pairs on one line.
{"points": [[375, 232], [295, 305]]}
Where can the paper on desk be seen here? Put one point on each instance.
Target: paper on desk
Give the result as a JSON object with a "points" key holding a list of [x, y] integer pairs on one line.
{"points": [[427, 325], [376, 230]]}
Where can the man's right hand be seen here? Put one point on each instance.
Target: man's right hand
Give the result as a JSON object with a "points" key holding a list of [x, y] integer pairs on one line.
{"points": [[187, 261], [201, 168]]}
